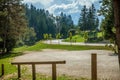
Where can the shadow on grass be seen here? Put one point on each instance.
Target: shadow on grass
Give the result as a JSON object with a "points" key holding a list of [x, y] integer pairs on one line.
{"points": [[10, 55]]}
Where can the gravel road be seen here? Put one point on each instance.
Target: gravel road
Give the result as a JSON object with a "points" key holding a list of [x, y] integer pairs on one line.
{"points": [[78, 63]]}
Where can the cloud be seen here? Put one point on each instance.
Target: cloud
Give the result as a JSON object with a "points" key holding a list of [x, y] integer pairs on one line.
{"points": [[43, 2], [73, 7], [69, 8]]}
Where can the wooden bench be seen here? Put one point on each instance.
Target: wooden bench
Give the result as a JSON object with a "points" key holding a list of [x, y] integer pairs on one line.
{"points": [[53, 63]]}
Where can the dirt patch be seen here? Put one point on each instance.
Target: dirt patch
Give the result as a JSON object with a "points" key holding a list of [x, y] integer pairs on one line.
{"points": [[78, 63]]}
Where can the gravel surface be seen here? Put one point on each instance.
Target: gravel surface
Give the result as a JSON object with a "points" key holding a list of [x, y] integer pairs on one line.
{"points": [[78, 63], [59, 41]]}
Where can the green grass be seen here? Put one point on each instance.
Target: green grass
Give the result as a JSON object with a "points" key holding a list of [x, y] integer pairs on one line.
{"points": [[38, 46], [99, 34], [6, 60], [78, 38], [44, 77]]}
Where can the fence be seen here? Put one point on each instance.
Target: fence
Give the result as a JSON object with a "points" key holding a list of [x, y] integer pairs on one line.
{"points": [[54, 77], [53, 63]]}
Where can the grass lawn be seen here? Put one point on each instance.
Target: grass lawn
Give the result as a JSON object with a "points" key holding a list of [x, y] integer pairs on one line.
{"points": [[99, 34], [38, 46], [6, 60], [78, 38], [10, 69]]}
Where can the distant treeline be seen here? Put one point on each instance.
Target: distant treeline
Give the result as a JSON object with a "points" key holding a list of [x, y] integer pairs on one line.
{"points": [[43, 22]]}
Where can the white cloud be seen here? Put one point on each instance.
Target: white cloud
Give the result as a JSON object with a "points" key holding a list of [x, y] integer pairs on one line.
{"points": [[72, 7], [43, 2]]}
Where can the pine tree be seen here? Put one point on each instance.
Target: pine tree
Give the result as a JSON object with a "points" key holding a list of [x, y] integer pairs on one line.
{"points": [[83, 19], [92, 17], [88, 19], [14, 23]]}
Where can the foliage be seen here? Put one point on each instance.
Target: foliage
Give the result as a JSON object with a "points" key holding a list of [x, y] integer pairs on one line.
{"points": [[12, 23], [75, 38], [29, 38], [70, 36], [45, 36], [107, 24], [86, 36], [66, 23], [88, 19], [41, 20]]}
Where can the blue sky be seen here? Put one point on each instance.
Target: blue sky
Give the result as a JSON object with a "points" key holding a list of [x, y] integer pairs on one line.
{"points": [[55, 7]]}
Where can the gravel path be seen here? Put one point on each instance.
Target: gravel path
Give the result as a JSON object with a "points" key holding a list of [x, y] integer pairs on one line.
{"points": [[59, 41], [78, 63]]}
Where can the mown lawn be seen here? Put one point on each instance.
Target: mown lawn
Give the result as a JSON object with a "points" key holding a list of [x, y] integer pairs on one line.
{"points": [[38, 46], [76, 38]]}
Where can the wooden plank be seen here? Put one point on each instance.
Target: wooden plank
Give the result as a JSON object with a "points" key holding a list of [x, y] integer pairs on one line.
{"points": [[33, 72], [42, 62], [2, 68], [54, 77], [19, 72], [94, 66]]}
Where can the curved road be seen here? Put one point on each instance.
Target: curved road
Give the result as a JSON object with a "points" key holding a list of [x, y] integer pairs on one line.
{"points": [[73, 43]]}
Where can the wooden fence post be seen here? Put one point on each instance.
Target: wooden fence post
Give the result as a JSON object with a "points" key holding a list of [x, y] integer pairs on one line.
{"points": [[54, 77], [2, 68], [19, 72], [94, 66], [33, 72]]}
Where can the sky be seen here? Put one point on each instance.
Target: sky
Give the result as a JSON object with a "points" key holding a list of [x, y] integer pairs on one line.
{"points": [[69, 7]]}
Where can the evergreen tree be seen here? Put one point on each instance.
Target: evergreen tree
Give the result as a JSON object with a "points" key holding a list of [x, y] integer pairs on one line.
{"points": [[92, 18], [83, 19], [41, 21], [88, 19], [66, 23], [12, 23]]}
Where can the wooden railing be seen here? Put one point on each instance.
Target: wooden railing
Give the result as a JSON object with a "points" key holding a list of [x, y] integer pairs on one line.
{"points": [[53, 63]]}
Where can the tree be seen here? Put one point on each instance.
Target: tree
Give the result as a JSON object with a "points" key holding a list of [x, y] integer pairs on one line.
{"points": [[92, 18], [111, 9], [116, 4], [58, 36], [83, 19], [50, 37], [45, 36], [85, 36], [12, 22], [65, 23], [70, 36], [108, 22], [41, 20], [88, 19], [30, 36]]}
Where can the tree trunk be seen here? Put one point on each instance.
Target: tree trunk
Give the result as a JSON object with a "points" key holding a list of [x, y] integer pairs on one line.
{"points": [[116, 5]]}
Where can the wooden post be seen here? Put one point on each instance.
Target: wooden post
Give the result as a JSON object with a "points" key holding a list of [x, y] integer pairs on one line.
{"points": [[19, 72], [54, 77], [94, 66], [33, 72], [2, 68]]}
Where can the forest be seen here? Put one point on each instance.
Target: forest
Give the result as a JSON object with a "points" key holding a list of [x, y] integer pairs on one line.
{"points": [[23, 24], [31, 35]]}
